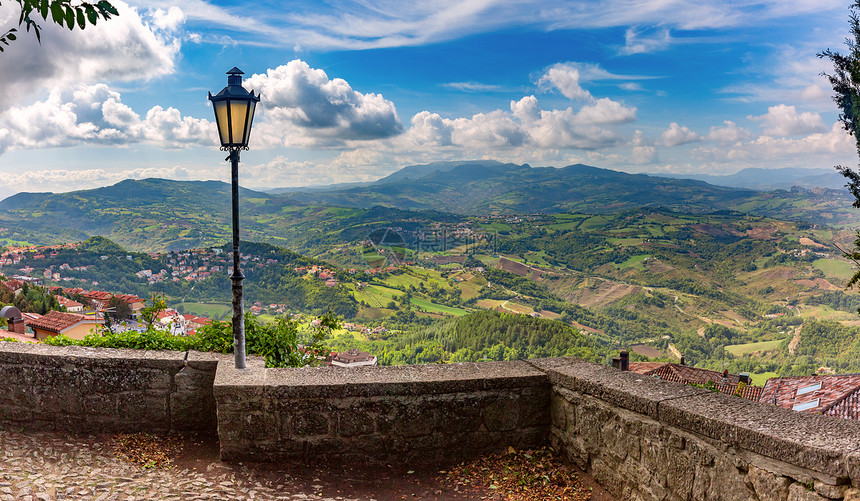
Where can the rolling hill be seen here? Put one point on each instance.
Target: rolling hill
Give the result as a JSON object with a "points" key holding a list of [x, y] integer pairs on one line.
{"points": [[159, 214]]}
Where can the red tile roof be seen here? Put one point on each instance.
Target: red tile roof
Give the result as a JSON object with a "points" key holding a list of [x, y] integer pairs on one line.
{"points": [[837, 395], [693, 375], [646, 367], [56, 321]]}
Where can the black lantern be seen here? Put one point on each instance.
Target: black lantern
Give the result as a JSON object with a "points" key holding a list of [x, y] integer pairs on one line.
{"points": [[234, 111]]}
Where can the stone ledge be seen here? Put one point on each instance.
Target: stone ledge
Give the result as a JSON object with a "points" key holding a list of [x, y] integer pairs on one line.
{"points": [[628, 390], [58, 356], [818, 443], [339, 382]]}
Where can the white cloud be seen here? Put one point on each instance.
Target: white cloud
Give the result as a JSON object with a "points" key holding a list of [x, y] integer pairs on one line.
{"points": [[122, 49], [168, 20], [526, 125], [783, 120], [472, 86], [729, 133], [95, 114], [565, 78], [642, 41], [69, 180], [302, 106], [677, 135], [388, 23], [820, 149]]}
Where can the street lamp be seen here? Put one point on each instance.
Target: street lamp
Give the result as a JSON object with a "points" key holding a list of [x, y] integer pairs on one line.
{"points": [[234, 112]]}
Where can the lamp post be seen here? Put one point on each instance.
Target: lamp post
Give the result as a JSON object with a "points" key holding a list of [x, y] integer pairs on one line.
{"points": [[234, 111]]}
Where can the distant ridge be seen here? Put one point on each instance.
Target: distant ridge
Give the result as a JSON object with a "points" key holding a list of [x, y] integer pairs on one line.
{"points": [[770, 179]]}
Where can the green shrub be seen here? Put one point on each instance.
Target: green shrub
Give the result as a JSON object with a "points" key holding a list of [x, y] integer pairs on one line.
{"points": [[277, 342]]}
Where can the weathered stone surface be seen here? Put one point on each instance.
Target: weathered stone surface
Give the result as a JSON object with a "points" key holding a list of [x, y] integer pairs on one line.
{"points": [[767, 486], [852, 494], [806, 440], [800, 492], [627, 390], [829, 491]]}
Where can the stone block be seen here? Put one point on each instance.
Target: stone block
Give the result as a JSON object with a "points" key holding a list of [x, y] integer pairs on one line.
{"points": [[310, 424], [852, 494], [143, 411], [558, 412], [355, 422], [806, 440], [459, 413], [830, 491], [800, 492], [627, 390], [501, 413]]}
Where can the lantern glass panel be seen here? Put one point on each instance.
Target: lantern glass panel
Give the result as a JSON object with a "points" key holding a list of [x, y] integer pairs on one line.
{"points": [[252, 106], [221, 121], [238, 119]]}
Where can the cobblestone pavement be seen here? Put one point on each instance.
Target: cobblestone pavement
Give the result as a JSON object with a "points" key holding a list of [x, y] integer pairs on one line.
{"points": [[40, 466]]}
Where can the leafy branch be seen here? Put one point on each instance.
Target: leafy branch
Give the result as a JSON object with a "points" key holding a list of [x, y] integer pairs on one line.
{"points": [[61, 12]]}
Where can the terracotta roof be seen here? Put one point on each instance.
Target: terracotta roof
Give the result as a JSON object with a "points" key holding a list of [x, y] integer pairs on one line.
{"points": [[831, 394], [56, 321], [646, 367], [352, 356], [847, 408], [693, 375], [68, 303]]}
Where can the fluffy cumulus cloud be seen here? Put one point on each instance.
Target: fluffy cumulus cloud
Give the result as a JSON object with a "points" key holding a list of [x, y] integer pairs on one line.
{"points": [[728, 133], [591, 125], [819, 149], [565, 78], [525, 125], [677, 135], [303, 106], [642, 152], [783, 120], [65, 179], [126, 48], [95, 114]]}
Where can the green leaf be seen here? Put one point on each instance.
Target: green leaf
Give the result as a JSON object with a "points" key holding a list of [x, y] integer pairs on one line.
{"points": [[11, 36], [57, 12], [91, 14], [82, 21], [105, 5], [70, 17], [43, 9]]}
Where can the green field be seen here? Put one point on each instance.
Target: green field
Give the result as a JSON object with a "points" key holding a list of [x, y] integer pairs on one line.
{"points": [[761, 379], [437, 308], [208, 310], [835, 268], [634, 262], [744, 349]]}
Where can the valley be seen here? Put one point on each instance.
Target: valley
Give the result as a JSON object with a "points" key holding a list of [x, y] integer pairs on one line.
{"points": [[755, 284]]}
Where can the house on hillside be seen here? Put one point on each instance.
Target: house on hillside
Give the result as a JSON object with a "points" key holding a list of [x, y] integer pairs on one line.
{"points": [[54, 323], [724, 382], [352, 358], [832, 395], [70, 305]]}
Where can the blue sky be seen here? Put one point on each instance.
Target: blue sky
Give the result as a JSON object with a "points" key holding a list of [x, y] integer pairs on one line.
{"points": [[353, 90]]}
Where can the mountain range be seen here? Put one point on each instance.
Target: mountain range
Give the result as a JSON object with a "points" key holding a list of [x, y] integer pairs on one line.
{"points": [[158, 214]]}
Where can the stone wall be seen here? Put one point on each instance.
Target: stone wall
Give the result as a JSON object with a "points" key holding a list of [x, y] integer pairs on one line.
{"points": [[641, 438], [646, 439], [87, 389], [427, 413]]}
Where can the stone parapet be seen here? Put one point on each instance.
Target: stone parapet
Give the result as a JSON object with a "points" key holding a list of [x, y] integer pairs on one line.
{"points": [[86, 390], [648, 439], [426, 413]]}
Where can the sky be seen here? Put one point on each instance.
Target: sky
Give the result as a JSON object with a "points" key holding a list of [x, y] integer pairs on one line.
{"points": [[355, 90]]}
